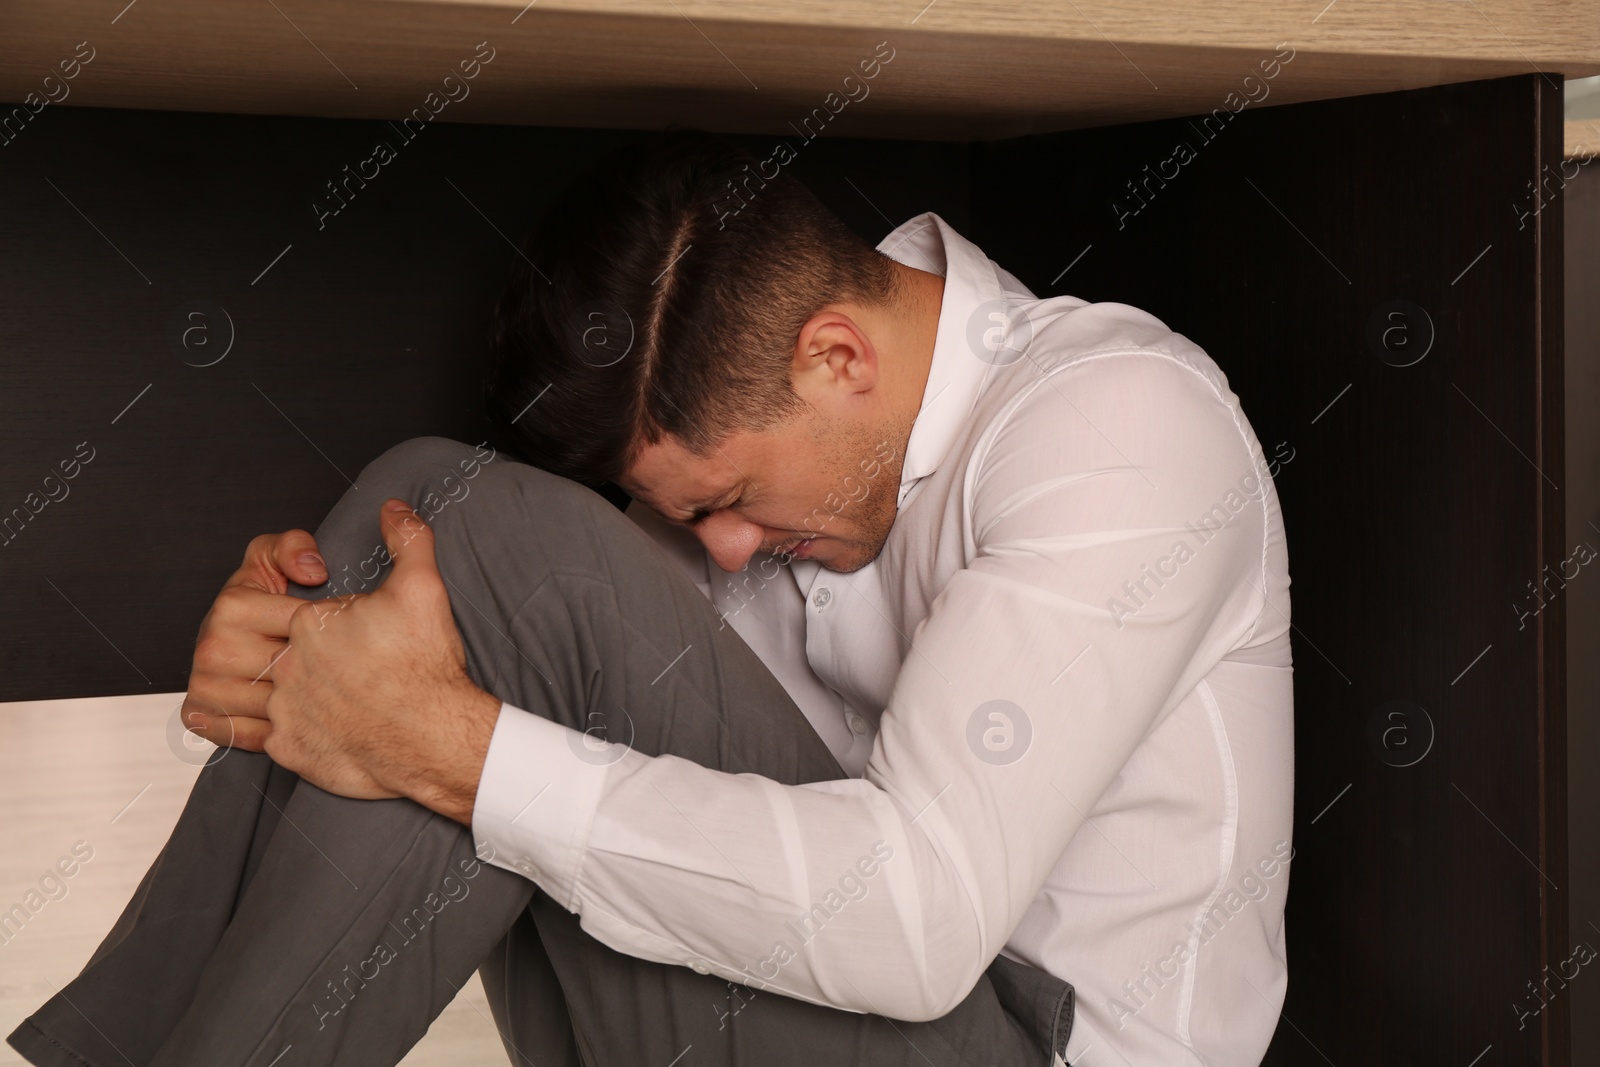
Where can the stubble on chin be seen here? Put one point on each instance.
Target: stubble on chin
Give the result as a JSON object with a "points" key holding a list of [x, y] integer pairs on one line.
{"points": [[872, 517]]}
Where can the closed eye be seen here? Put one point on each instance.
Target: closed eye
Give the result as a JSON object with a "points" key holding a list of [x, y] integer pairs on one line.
{"points": [[701, 514]]}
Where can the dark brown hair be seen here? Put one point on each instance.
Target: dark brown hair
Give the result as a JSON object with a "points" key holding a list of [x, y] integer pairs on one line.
{"points": [[663, 293]]}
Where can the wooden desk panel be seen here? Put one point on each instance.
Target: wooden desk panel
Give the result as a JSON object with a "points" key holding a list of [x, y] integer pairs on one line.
{"points": [[961, 71]]}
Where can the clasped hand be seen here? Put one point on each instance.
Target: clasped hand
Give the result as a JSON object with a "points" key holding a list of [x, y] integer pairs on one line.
{"points": [[365, 695]]}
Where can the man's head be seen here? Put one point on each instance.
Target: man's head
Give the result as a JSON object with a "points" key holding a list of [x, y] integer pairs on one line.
{"points": [[691, 324]]}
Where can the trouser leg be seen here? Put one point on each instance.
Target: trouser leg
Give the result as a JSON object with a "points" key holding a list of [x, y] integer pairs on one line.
{"points": [[526, 999], [347, 937], [237, 928]]}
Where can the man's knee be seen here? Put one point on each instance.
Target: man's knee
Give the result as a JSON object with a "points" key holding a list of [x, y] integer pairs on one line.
{"points": [[475, 497], [512, 504], [427, 472]]}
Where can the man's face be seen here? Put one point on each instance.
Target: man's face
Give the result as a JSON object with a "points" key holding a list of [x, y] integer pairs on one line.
{"points": [[823, 489]]}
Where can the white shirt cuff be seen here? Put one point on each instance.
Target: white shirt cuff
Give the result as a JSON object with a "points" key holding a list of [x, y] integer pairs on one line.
{"points": [[536, 800]]}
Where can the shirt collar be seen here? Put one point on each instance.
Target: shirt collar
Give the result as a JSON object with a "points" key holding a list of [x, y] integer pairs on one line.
{"points": [[974, 302]]}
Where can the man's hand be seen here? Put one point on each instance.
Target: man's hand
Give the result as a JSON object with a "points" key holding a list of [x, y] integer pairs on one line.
{"points": [[244, 632], [371, 699]]}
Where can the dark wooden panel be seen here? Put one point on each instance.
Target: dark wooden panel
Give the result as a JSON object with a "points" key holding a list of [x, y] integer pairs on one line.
{"points": [[350, 331], [1581, 204], [1420, 502]]}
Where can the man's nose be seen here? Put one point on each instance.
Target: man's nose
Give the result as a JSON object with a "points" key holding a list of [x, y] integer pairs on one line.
{"points": [[729, 540]]}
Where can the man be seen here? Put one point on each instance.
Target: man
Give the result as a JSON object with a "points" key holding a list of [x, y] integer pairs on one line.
{"points": [[974, 748]]}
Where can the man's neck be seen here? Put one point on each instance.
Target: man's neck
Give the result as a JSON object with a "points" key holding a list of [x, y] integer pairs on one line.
{"points": [[922, 299]]}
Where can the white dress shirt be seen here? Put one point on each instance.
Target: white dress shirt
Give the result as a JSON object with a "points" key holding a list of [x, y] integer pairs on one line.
{"points": [[1062, 692]]}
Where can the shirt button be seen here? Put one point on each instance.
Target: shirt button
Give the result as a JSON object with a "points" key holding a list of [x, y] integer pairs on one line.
{"points": [[527, 868], [821, 597], [699, 967], [858, 723]]}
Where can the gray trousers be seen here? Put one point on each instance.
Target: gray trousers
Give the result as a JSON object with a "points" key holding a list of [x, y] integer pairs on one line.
{"points": [[253, 938]]}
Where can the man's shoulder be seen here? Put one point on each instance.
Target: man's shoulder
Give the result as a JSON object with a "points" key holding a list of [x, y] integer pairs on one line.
{"points": [[1066, 332], [1071, 354]]}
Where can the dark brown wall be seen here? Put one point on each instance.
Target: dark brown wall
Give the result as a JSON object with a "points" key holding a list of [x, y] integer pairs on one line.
{"points": [[368, 330]]}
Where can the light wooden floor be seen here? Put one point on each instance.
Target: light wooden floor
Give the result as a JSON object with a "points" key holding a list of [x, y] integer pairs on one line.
{"points": [[101, 771]]}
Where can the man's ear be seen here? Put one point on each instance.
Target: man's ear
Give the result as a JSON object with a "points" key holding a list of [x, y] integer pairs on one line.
{"points": [[833, 352]]}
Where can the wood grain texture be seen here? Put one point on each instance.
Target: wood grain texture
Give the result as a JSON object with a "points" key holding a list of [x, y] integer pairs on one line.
{"points": [[961, 71], [1547, 292], [1582, 139], [1582, 388], [1423, 897]]}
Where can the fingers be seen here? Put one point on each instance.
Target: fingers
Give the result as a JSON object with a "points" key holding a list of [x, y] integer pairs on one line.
{"points": [[219, 694], [243, 611], [243, 635], [271, 561], [296, 555], [410, 544], [229, 731]]}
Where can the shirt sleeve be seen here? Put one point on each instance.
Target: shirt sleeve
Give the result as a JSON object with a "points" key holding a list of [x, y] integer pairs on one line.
{"points": [[1116, 531]]}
